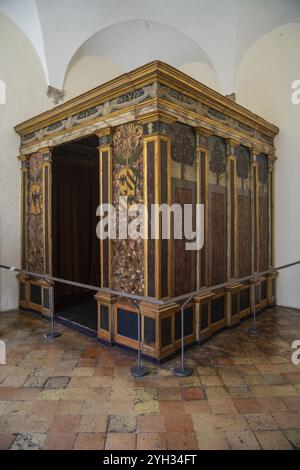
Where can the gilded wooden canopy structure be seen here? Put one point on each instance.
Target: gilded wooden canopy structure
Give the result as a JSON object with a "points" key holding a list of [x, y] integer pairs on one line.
{"points": [[163, 138]]}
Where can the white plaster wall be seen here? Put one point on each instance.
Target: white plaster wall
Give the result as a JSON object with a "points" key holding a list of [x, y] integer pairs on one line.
{"points": [[87, 72], [263, 85], [203, 73], [22, 73]]}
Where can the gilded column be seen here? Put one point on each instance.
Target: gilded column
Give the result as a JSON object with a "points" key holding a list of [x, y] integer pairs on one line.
{"points": [[47, 208], [158, 256], [271, 163], [24, 209], [254, 213], [202, 198], [105, 197], [231, 210]]}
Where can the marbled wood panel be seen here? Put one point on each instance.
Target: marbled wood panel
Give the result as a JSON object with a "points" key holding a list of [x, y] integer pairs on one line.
{"points": [[263, 233], [127, 256], [183, 259], [244, 235], [218, 237], [35, 261]]}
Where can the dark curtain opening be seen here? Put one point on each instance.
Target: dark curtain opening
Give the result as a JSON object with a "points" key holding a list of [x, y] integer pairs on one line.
{"points": [[76, 248]]}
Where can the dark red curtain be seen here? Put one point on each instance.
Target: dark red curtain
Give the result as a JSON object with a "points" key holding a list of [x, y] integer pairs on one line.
{"points": [[76, 248]]}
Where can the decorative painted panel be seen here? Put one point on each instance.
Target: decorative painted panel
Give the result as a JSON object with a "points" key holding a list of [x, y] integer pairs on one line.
{"points": [[262, 162], [127, 175], [218, 237], [35, 254], [243, 211]]}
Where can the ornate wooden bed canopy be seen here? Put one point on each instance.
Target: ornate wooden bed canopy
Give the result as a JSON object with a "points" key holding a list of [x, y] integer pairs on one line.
{"points": [[163, 138]]}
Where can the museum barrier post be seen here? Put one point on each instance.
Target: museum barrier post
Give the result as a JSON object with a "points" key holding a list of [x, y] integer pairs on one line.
{"points": [[252, 330], [183, 371], [51, 334], [138, 370]]}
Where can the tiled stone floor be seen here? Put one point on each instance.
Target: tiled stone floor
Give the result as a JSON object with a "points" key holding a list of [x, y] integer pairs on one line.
{"points": [[76, 394]]}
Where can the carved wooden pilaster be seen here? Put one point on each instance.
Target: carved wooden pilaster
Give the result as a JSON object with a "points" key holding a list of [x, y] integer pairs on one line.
{"points": [[158, 252], [24, 209], [254, 213], [231, 210], [202, 198], [105, 197], [271, 167], [47, 208]]}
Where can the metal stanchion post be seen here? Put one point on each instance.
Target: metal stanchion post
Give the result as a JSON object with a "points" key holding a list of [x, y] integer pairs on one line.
{"points": [[183, 371], [139, 370], [52, 334], [252, 330]]}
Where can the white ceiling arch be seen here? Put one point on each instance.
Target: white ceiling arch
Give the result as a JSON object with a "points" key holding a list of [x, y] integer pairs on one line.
{"points": [[224, 30], [25, 15], [139, 42]]}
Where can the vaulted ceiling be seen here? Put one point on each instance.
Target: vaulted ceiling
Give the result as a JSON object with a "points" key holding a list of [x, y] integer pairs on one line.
{"points": [[132, 32]]}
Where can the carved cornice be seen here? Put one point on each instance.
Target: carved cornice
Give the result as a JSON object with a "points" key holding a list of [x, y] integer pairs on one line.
{"points": [[148, 93], [155, 116]]}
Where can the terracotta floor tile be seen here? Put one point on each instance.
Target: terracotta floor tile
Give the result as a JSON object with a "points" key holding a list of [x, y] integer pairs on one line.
{"points": [[171, 407], [272, 404], [212, 440], [273, 440], [216, 392], [44, 407], [151, 423], [29, 441], [261, 421], [287, 420], [292, 377], [181, 441], [293, 436], [55, 441], [151, 441], [210, 380], [69, 407], [14, 381], [122, 424], [222, 406], [6, 393], [56, 382], [193, 393], [120, 441], [93, 423], [170, 393], [196, 406], [247, 405], [293, 403], [217, 422], [179, 423], [244, 440], [26, 394], [6, 441], [89, 441], [240, 392], [64, 424]]}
